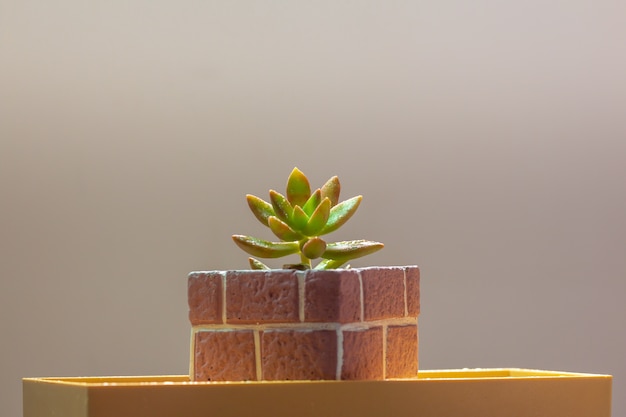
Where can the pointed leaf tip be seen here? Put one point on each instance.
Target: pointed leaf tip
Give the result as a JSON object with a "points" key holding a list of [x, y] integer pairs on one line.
{"points": [[331, 189], [313, 201], [261, 209], [299, 219], [298, 188], [265, 249], [257, 265], [282, 230], [340, 214], [352, 249], [281, 206], [329, 264], [318, 219]]}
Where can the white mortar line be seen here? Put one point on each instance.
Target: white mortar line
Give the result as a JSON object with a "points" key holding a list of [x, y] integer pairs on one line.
{"points": [[268, 326], [402, 321], [223, 296], [384, 351], [311, 326], [361, 296], [418, 343], [339, 354], [406, 303], [257, 355], [192, 355], [301, 283]]}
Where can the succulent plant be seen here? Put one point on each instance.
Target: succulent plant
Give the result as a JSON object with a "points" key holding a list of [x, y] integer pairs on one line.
{"points": [[298, 219]]}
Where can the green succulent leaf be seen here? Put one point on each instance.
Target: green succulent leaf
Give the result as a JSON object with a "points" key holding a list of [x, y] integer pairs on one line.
{"points": [[318, 219], [265, 249], [256, 264], [313, 201], [351, 249], [298, 188], [314, 248], [281, 205], [331, 190], [299, 219], [329, 264], [282, 230], [260, 208], [340, 214]]}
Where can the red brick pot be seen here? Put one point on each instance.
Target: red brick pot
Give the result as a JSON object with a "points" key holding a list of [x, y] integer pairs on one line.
{"points": [[356, 323]]}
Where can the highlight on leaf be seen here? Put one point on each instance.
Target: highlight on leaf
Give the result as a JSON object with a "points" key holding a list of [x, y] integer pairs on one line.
{"points": [[331, 190], [298, 188], [340, 214], [265, 249], [261, 209], [281, 205], [352, 249]]}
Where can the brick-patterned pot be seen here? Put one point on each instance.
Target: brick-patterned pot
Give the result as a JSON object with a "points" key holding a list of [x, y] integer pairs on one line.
{"points": [[285, 324]]}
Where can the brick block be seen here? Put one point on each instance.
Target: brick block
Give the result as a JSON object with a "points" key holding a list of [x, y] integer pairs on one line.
{"points": [[413, 290], [204, 295], [383, 293], [262, 296], [363, 354], [332, 296], [224, 356], [299, 355], [270, 304], [402, 350]]}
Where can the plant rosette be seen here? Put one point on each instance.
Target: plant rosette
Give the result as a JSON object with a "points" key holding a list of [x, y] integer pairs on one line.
{"points": [[305, 321]]}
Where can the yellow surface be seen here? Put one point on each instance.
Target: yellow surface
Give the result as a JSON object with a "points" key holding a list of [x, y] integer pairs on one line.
{"points": [[448, 393]]}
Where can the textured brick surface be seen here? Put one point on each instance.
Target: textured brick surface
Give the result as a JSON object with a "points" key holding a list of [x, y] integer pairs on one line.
{"points": [[204, 294], [401, 351], [225, 356], [332, 296], [268, 303], [262, 297], [383, 293], [413, 290], [363, 354], [299, 355]]}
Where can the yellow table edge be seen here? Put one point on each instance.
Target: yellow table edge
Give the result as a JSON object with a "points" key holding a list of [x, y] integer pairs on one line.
{"points": [[442, 374], [434, 393]]}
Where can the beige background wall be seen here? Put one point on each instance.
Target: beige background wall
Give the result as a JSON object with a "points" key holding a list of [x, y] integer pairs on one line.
{"points": [[488, 138]]}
